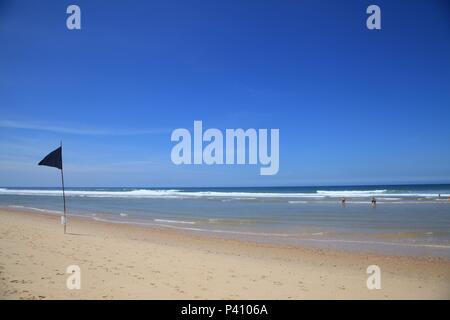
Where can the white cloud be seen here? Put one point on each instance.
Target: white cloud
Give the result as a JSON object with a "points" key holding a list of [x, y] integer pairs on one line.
{"points": [[77, 131]]}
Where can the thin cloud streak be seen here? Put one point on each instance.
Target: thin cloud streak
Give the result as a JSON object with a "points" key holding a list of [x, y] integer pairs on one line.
{"points": [[83, 131]]}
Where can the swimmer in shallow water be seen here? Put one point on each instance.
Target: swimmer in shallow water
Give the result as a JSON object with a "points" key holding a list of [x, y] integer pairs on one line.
{"points": [[343, 202], [374, 202]]}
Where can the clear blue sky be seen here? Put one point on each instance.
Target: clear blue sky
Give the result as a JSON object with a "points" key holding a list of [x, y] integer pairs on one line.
{"points": [[353, 106]]}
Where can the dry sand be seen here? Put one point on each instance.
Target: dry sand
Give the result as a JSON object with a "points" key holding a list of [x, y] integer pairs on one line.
{"points": [[129, 262]]}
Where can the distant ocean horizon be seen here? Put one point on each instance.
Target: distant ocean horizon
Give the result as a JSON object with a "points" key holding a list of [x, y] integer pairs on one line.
{"points": [[309, 186], [408, 219]]}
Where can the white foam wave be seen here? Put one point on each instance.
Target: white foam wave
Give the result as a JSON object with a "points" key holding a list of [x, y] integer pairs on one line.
{"points": [[174, 221], [35, 209], [147, 193], [364, 193], [178, 194], [379, 194]]}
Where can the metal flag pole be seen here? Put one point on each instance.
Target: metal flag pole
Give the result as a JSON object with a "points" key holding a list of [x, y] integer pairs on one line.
{"points": [[64, 194], [54, 159]]}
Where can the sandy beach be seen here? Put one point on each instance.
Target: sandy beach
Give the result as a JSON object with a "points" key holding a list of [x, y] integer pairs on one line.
{"points": [[120, 261]]}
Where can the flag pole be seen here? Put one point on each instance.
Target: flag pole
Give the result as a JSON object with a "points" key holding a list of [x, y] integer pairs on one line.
{"points": [[64, 194]]}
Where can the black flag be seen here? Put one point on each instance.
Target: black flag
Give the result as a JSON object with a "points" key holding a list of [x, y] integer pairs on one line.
{"points": [[53, 159]]}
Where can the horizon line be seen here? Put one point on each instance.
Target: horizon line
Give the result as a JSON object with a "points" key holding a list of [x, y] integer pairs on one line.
{"points": [[224, 187]]}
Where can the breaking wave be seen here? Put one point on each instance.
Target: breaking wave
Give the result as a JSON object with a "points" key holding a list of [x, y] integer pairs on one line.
{"points": [[241, 195]]}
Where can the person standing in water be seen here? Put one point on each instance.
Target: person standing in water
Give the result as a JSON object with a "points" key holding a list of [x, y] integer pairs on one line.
{"points": [[374, 202], [343, 202]]}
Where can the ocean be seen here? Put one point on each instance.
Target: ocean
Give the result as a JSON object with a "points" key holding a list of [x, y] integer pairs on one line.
{"points": [[407, 219]]}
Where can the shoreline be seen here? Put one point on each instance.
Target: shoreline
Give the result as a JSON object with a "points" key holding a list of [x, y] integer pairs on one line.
{"points": [[362, 243], [124, 261]]}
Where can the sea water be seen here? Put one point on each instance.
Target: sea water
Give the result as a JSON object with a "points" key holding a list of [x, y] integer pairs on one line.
{"points": [[407, 219]]}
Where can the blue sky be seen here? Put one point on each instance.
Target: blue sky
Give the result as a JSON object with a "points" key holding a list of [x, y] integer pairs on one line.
{"points": [[353, 106]]}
